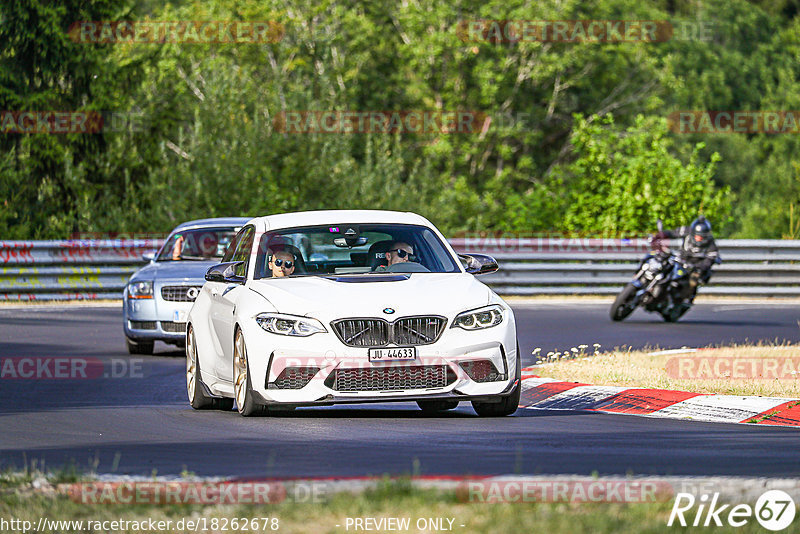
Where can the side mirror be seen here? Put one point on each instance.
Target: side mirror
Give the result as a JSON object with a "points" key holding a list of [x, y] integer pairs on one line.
{"points": [[149, 256], [226, 273], [478, 263]]}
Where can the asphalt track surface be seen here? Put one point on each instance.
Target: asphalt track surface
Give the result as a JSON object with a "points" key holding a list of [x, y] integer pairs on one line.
{"points": [[141, 423]]}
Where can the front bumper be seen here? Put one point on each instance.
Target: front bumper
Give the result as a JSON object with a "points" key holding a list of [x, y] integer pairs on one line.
{"points": [[155, 319], [455, 352]]}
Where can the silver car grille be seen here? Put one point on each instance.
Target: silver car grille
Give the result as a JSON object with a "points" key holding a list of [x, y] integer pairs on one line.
{"points": [[376, 332], [392, 378], [180, 293], [168, 326], [143, 325]]}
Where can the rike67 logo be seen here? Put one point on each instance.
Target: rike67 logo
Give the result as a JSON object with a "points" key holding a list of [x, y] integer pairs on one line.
{"points": [[774, 510]]}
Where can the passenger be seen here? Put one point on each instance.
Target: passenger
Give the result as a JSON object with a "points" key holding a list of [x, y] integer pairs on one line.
{"points": [[177, 249], [282, 263]]}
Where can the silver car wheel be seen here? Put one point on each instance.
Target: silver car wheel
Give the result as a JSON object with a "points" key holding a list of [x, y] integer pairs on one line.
{"points": [[191, 366], [240, 367]]}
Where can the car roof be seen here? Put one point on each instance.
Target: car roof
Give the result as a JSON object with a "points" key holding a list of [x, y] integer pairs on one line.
{"points": [[311, 218], [212, 223]]}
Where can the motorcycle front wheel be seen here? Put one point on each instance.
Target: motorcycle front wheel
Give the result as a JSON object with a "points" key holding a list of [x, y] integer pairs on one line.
{"points": [[675, 313], [624, 304]]}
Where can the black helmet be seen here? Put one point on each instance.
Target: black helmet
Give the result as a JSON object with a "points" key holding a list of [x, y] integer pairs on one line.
{"points": [[700, 231]]}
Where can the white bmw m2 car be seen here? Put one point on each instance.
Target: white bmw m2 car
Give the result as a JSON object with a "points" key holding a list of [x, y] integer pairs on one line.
{"points": [[329, 307]]}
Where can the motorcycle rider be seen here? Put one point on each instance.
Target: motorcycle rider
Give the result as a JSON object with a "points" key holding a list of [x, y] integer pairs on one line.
{"points": [[698, 249]]}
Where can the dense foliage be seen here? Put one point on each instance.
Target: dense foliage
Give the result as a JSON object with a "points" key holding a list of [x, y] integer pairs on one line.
{"points": [[576, 138]]}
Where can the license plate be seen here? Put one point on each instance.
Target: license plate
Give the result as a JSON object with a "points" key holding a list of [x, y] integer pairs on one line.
{"points": [[393, 353]]}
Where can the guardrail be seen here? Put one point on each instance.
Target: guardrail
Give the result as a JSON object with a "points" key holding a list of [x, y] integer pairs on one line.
{"points": [[99, 269], [590, 266], [69, 270]]}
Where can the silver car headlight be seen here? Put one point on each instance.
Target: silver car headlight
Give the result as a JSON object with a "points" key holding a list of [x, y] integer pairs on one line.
{"points": [[140, 290], [289, 325], [485, 317]]}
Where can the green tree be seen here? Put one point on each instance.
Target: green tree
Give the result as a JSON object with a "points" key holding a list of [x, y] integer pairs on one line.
{"points": [[622, 180]]}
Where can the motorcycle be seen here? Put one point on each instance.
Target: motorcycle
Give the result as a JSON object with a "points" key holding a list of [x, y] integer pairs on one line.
{"points": [[662, 284]]}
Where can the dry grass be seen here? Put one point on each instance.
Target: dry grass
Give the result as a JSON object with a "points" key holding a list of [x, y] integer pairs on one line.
{"points": [[649, 369]]}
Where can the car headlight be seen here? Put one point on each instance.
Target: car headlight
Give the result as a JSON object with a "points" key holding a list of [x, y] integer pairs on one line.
{"points": [[140, 290], [289, 325], [485, 317]]}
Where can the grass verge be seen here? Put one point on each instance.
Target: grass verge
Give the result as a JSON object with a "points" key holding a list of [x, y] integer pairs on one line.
{"points": [[765, 370], [31, 497]]}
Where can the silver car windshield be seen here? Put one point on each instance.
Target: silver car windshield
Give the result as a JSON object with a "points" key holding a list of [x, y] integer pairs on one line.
{"points": [[199, 244], [352, 249]]}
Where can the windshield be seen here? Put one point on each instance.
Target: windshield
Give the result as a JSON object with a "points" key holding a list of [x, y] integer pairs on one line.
{"points": [[199, 244], [352, 249]]}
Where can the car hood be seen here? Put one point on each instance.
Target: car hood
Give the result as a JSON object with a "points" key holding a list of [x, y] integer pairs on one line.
{"points": [[329, 298], [174, 270]]}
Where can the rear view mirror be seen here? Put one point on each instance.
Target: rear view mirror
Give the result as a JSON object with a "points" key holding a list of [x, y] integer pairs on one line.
{"points": [[343, 242], [478, 263], [149, 256]]}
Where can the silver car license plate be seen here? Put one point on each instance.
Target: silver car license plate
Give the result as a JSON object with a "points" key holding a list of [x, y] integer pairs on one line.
{"points": [[393, 353]]}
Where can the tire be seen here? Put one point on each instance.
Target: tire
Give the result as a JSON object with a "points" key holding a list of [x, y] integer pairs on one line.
{"points": [[242, 387], [139, 347], [675, 313], [621, 307], [194, 387], [507, 405], [436, 406]]}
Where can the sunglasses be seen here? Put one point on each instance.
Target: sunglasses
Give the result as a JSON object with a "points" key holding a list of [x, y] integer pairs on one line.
{"points": [[286, 263], [402, 253]]}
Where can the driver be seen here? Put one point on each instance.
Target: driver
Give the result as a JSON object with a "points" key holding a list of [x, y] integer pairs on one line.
{"points": [[282, 264], [400, 252], [208, 245]]}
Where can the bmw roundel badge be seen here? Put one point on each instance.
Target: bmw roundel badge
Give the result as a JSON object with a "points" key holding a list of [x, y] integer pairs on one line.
{"points": [[388, 311]]}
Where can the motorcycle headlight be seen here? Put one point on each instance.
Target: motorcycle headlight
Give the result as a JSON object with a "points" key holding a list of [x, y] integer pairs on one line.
{"points": [[653, 264], [289, 325], [485, 317], [140, 290]]}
